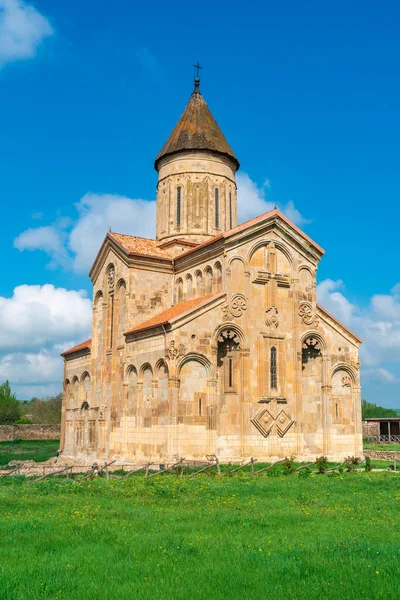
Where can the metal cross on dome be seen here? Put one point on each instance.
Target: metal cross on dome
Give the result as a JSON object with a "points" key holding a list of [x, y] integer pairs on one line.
{"points": [[197, 67]]}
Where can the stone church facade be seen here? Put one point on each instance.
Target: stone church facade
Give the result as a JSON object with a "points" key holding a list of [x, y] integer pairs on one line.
{"points": [[209, 340]]}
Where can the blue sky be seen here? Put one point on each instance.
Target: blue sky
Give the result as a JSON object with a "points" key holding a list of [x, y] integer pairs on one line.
{"points": [[307, 95]]}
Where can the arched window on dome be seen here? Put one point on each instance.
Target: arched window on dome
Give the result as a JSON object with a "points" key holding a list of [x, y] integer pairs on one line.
{"points": [[178, 205], [230, 211], [217, 208]]}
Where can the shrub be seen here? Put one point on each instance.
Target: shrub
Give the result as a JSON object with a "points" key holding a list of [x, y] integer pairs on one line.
{"points": [[322, 464], [351, 463], [368, 466], [288, 465]]}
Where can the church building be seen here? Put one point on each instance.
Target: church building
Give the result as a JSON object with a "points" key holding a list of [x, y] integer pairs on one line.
{"points": [[208, 339]]}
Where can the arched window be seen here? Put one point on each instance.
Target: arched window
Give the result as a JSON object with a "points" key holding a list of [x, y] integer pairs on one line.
{"points": [[178, 206], [230, 210], [273, 370], [217, 208]]}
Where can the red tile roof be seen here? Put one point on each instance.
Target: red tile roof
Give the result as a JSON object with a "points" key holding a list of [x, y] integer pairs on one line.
{"points": [[139, 245], [339, 323], [171, 314], [246, 224], [83, 346]]}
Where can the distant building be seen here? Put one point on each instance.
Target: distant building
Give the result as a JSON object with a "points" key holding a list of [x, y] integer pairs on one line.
{"points": [[385, 429], [208, 339]]}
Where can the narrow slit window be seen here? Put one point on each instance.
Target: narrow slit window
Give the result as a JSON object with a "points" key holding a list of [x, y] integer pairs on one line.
{"points": [[178, 206], [230, 373], [337, 412], [216, 208], [273, 373], [199, 407], [230, 210]]}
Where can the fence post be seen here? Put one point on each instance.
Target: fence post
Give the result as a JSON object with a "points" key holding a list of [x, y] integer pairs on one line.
{"points": [[106, 470], [67, 471], [147, 470], [252, 465], [218, 467], [394, 463]]}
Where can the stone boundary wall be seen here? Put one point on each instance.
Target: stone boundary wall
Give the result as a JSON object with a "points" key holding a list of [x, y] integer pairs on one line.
{"points": [[9, 433], [382, 454]]}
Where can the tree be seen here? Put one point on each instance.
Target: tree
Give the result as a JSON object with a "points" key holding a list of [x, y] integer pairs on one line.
{"points": [[9, 405], [371, 411], [44, 410]]}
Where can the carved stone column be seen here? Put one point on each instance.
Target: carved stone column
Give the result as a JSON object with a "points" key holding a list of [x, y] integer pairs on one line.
{"points": [[173, 430]]}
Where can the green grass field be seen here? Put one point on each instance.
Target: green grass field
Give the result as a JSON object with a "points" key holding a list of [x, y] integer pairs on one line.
{"points": [[311, 537], [387, 447], [39, 450]]}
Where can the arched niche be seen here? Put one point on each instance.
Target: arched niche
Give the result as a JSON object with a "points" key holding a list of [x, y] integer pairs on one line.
{"points": [[189, 286], [86, 386], [179, 290], [199, 284], [147, 381], [342, 396], [208, 280], [237, 274], [121, 294], [75, 391], [306, 278], [162, 392], [193, 390], [218, 277], [132, 380]]}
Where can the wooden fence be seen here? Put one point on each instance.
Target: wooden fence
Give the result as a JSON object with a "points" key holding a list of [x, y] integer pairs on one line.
{"points": [[150, 470]]}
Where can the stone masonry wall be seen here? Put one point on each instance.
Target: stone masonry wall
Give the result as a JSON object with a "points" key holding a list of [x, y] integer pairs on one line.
{"points": [[9, 433], [382, 454]]}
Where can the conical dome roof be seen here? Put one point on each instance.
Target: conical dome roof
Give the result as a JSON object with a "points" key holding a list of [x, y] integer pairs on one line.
{"points": [[196, 130]]}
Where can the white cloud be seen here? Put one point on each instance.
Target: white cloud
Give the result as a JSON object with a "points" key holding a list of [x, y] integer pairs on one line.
{"points": [[37, 324], [37, 316], [252, 201], [378, 325], [98, 212], [75, 243], [50, 239], [22, 30]]}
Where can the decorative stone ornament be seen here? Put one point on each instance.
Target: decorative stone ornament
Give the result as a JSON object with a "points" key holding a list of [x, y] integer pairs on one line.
{"points": [[227, 335], [263, 421], [238, 305], [307, 314], [271, 316], [173, 352], [346, 381], [283, 423], [111, 278]]}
